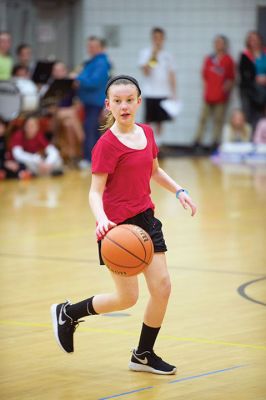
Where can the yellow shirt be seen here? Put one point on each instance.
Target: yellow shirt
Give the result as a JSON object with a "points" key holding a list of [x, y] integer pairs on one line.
{"points": [[5, 67]]}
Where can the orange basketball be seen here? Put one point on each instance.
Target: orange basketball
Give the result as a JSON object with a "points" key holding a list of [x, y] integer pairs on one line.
{"points": [[127, 250]]}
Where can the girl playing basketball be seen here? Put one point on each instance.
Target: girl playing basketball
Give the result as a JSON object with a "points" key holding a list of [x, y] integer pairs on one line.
{"points": [[123, 162]]}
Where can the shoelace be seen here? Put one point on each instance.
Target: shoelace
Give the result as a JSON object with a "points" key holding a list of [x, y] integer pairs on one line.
{"points": [[75, 324], [72, 323]]}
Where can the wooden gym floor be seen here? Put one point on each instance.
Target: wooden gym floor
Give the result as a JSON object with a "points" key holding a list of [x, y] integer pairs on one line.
{"points": [[215, 327]]}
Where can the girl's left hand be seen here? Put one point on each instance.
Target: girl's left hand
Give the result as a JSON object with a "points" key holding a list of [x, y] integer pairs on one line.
{"points": [[12, 165], [185, 200]]}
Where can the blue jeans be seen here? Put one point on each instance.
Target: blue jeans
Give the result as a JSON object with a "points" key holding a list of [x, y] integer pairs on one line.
{"points": [[91, 128]]}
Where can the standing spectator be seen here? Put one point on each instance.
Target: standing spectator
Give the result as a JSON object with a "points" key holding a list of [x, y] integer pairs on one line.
{"points": [[159, 80], [252, 71], [91, 91], [218, 75], [5, 59], [24, 56]]}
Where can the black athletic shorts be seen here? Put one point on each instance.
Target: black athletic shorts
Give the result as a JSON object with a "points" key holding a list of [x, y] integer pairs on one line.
{"points": [[150, 224], [154, 112]]}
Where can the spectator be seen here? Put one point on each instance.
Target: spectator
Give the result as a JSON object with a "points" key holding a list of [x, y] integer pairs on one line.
{"points": [[237, 130], [69, 134], [30, 147], [5, 59], [24, 56], [159, 81], [9, 168], [218, 74], [27, 88], [260, 132], [252, 71], [20, 71], [59, 71], [91, 90]]}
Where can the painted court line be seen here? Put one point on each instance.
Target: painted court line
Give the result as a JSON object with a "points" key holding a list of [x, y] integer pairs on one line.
{"points": [[132, 333], [125, 393], [218, 371]]}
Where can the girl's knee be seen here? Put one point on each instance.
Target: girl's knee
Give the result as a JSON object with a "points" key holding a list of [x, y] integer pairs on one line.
{"points": [[129, 299], [163, 288], [166, 288]]}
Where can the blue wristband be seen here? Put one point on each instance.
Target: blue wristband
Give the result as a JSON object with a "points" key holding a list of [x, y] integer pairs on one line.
{"points": [[180, 191]]}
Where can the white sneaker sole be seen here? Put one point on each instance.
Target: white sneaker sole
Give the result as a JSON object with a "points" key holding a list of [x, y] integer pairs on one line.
{"points": [[55, 327], [145, 368]]}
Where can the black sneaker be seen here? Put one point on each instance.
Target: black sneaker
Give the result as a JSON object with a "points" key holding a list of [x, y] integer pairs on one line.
{"points": [[148, 361], [64, 326]]}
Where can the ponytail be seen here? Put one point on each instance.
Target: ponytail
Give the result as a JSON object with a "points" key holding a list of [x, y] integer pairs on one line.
{"points": [[109, 121]]}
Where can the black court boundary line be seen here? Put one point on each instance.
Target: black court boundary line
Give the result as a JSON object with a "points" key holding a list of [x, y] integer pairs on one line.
{"points": [[242, 291], [87, 261]]}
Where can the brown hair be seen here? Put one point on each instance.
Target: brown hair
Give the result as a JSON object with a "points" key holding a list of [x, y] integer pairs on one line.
{"points": [[158, 30], [109, 118], [259, 36]]}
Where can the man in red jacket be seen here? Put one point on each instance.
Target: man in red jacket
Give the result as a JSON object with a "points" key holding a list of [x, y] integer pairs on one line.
{"points": [[218, 74]]}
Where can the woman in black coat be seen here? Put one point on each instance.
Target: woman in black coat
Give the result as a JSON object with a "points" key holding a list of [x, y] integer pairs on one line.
{"points": [[253, 81]]}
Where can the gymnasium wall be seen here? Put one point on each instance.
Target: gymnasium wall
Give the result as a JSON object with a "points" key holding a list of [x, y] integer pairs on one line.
{"points": [[190, 26]]}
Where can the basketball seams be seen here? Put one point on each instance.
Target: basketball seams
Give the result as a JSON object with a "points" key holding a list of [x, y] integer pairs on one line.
{"points": [[135, 234], [126, 250], [121, 265], [125, 245]]}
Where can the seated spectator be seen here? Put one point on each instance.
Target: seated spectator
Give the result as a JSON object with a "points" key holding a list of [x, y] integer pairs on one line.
{"points": [[30, 147], [5, 59], [27, 88], [24, 56], [69, 134], [260, 132], [237, 130], [59, 71], [20, 71], [9, 168]]}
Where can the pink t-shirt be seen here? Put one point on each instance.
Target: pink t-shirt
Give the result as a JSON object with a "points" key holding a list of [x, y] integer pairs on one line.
{"points": [[127, 191]]}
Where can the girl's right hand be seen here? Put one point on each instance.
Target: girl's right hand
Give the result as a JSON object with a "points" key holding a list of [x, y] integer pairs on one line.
{"points": [[103, 226]]}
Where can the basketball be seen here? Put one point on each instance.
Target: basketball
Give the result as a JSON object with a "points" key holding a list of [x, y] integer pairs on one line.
{"points": [[127, 250]]}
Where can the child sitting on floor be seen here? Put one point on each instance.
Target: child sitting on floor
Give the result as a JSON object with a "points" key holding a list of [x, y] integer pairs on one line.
{"points": [[237, 130], [9, 168], [30, 147]]}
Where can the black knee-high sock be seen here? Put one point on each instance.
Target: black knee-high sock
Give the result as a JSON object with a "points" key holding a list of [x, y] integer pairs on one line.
{"points": [[147, 338], [81, 309]]}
